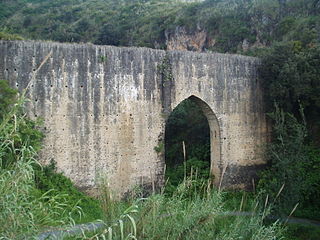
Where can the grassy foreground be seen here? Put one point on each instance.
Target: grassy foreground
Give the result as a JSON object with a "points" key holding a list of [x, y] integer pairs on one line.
{"points": [[192, 212]]}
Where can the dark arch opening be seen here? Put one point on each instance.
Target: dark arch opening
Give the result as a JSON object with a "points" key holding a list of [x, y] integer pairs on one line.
{"points": [[194, 123]]}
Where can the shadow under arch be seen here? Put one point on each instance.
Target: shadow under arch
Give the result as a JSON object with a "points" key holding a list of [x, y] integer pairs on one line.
{"points": [[214, 129]]}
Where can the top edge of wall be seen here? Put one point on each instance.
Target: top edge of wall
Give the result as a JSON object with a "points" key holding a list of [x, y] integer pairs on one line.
{"points": [[171, 52]]}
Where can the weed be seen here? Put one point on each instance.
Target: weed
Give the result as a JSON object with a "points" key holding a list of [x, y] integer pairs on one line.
{"points": [[102, 59], [159, 148]]}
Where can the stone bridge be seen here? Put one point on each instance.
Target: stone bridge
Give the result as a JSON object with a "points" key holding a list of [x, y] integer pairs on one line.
{"points": [[105, 109]]}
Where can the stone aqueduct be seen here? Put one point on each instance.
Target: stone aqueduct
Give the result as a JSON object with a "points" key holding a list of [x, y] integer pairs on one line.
{"points": [[105, 108]]}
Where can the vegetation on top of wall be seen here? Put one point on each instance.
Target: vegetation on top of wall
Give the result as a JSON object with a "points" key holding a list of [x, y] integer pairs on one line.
{"points": [[9, 36], [165, 70]]}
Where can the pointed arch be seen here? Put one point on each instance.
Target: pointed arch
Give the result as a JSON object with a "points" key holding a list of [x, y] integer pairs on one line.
{"points": [[214, 128]]}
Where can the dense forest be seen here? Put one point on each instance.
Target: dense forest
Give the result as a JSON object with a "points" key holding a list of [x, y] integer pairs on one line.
{"points": [[285, 34]]}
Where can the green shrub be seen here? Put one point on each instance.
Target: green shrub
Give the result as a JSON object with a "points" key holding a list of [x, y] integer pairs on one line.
{"points": [[294, 164], [7, 98], [48, 180], [197, 170], [22, 212]]}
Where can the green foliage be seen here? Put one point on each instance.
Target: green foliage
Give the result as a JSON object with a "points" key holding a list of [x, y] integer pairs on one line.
{"points": [[300, 232], [149, 22], [139, 23], [159, 148], [32, 197], [290, 70], [291, 79], [230, 31], [48, 180], [103, 59], [165, 70], [187, 124], [23, 132], [201, 215], [193, 168], [292, 76], [121, 227], [292, 164], [285, 25], [7, 98], [23, 211], [9, 36]]}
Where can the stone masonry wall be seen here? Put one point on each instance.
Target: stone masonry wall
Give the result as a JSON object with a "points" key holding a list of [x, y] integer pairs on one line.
{"points": [[104, 108]]}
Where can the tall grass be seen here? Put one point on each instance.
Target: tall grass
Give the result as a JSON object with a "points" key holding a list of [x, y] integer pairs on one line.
{"points": [[22, 213], [23, 210], [198, 213], [194, 211]]}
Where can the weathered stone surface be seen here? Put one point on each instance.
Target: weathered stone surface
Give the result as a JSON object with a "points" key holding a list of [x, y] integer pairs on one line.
{"points": [[104, 108]]}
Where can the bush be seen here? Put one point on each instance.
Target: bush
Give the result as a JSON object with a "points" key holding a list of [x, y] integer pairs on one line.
{"points": [[48, 180], [294, 164]]}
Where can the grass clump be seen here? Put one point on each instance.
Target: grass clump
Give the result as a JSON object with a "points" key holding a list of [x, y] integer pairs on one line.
{"points": [[197, 211], [48, 180], [194, 211], [23, 212]]}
